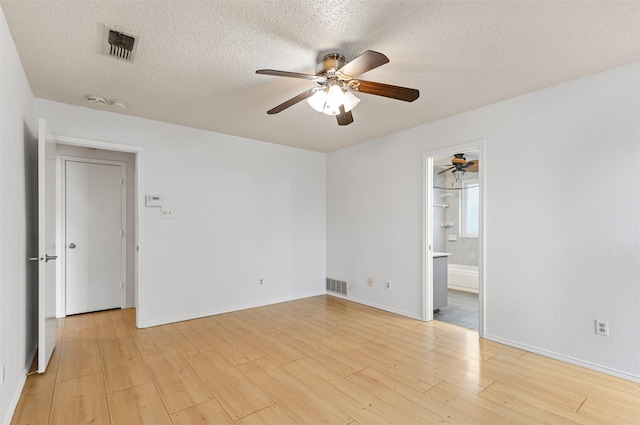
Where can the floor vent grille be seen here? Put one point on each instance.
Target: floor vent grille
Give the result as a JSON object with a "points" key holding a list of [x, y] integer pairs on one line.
{"points": [[337, 286]]}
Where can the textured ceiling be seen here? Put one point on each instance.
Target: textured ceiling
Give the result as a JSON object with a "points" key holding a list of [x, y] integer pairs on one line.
{"points": [[196, 60]]}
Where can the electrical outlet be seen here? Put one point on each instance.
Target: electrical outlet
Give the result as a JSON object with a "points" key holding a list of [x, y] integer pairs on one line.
{"points": [[370, 281], [602, 327], [261, 281], [387, 285]]}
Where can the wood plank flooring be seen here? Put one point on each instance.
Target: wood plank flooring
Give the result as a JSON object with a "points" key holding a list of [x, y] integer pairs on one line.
{"points": [[320, 360]]}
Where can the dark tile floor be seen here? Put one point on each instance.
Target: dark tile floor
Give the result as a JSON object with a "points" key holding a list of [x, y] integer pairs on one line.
{"points": [[462, 310]]}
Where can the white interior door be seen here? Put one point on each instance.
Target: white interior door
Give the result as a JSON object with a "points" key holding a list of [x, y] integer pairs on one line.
{"points": [[94, 235], [46, 245]]}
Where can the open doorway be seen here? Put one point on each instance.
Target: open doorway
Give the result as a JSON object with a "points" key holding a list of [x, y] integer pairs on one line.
{"points": [[454, 236], [88, 153]]}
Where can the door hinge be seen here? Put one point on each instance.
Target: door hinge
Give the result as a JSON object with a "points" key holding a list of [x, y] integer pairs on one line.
{"points": [[121, 181], [121, 285], [121, 233]]}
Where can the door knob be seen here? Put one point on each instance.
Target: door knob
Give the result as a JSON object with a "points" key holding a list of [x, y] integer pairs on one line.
{"points": [[72, 245]]}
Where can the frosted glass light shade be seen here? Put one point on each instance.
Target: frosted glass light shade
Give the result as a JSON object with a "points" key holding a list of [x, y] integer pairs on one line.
{"points": [[328, 101], [334, 100], [317, 101], [350, 101], [335, 95], [330, 109]]}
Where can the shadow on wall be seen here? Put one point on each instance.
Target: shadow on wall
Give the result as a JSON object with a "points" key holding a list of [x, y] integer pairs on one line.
{"points": [[30, 144]]}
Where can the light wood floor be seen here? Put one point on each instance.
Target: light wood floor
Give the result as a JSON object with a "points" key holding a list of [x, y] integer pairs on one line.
{"points": [[320, 360]]}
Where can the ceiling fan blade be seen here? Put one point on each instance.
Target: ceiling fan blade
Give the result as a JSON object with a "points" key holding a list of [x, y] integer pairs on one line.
{"points": [[344, 118], [290, 74], [302, 96], [387, 90], [446, 169], [363, 63]]}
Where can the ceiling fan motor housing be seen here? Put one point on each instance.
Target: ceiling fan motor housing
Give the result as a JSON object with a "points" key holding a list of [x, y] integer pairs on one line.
{"points": [[458, 158], [330, 64]]}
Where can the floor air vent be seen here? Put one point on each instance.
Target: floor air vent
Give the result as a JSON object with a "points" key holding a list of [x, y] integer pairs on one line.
{"points": [[337, 286], [119, 44]]}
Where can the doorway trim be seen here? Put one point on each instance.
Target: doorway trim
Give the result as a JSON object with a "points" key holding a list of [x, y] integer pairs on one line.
{"points": [[138, 218], [62, 225], [427, 257]]}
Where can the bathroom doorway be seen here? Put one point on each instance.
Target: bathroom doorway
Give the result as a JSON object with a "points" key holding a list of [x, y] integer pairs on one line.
{"points": [[454, 236]]}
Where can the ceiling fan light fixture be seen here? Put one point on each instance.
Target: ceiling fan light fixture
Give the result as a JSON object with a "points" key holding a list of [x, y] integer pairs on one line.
{"points": [[331, 109], [334, 95], [335, 77], [329, 100], [318, 100], [350, 100], [326, 101], [335, 99]]}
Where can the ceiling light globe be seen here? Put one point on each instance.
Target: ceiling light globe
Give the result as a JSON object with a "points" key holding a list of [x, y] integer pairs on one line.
{"points": [[318, 100], [458, 174], [350, 101], [331, 109], [335, 96]]}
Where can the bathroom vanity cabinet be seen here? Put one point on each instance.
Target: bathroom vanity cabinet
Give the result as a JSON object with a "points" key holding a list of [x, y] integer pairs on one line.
{"points": [[440, 281]]}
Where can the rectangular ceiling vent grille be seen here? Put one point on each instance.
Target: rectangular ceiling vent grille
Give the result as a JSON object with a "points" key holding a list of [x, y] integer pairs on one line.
{"points": [[337, 286], [119, 44]]}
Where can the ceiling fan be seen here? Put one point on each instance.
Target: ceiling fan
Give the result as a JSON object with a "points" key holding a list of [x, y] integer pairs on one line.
{"points": [[459, 164], [336, 82]]}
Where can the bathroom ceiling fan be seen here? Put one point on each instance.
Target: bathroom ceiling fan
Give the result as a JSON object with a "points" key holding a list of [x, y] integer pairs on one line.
{"points": [[460, 164], [336, 81]]}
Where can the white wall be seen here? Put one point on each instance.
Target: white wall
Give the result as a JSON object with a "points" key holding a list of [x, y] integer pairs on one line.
{"points": [[562, 236], [18, 296], [244, 210]]}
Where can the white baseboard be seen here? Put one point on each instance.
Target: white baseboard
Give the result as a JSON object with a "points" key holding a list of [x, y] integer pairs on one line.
{"points": [[567, 359], [14, 400], [201, 314], [16, 396], [378, 306]]}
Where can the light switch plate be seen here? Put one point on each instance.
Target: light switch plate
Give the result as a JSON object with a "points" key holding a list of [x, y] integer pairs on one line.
{"points": [[453, 237]]}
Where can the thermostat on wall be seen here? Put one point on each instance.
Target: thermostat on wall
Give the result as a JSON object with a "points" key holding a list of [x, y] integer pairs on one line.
{"points": [[153, 201]]}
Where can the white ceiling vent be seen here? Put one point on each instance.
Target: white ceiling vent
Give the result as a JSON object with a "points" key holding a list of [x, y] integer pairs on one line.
{"points": [[119, 44]]}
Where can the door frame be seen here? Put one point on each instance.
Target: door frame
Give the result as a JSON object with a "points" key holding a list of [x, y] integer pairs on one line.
{"points": [[62, 225], [427, 257], [138, 217]]}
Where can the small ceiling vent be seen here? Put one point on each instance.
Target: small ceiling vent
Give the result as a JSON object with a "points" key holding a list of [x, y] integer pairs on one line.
{"points": [[119, 44]]}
